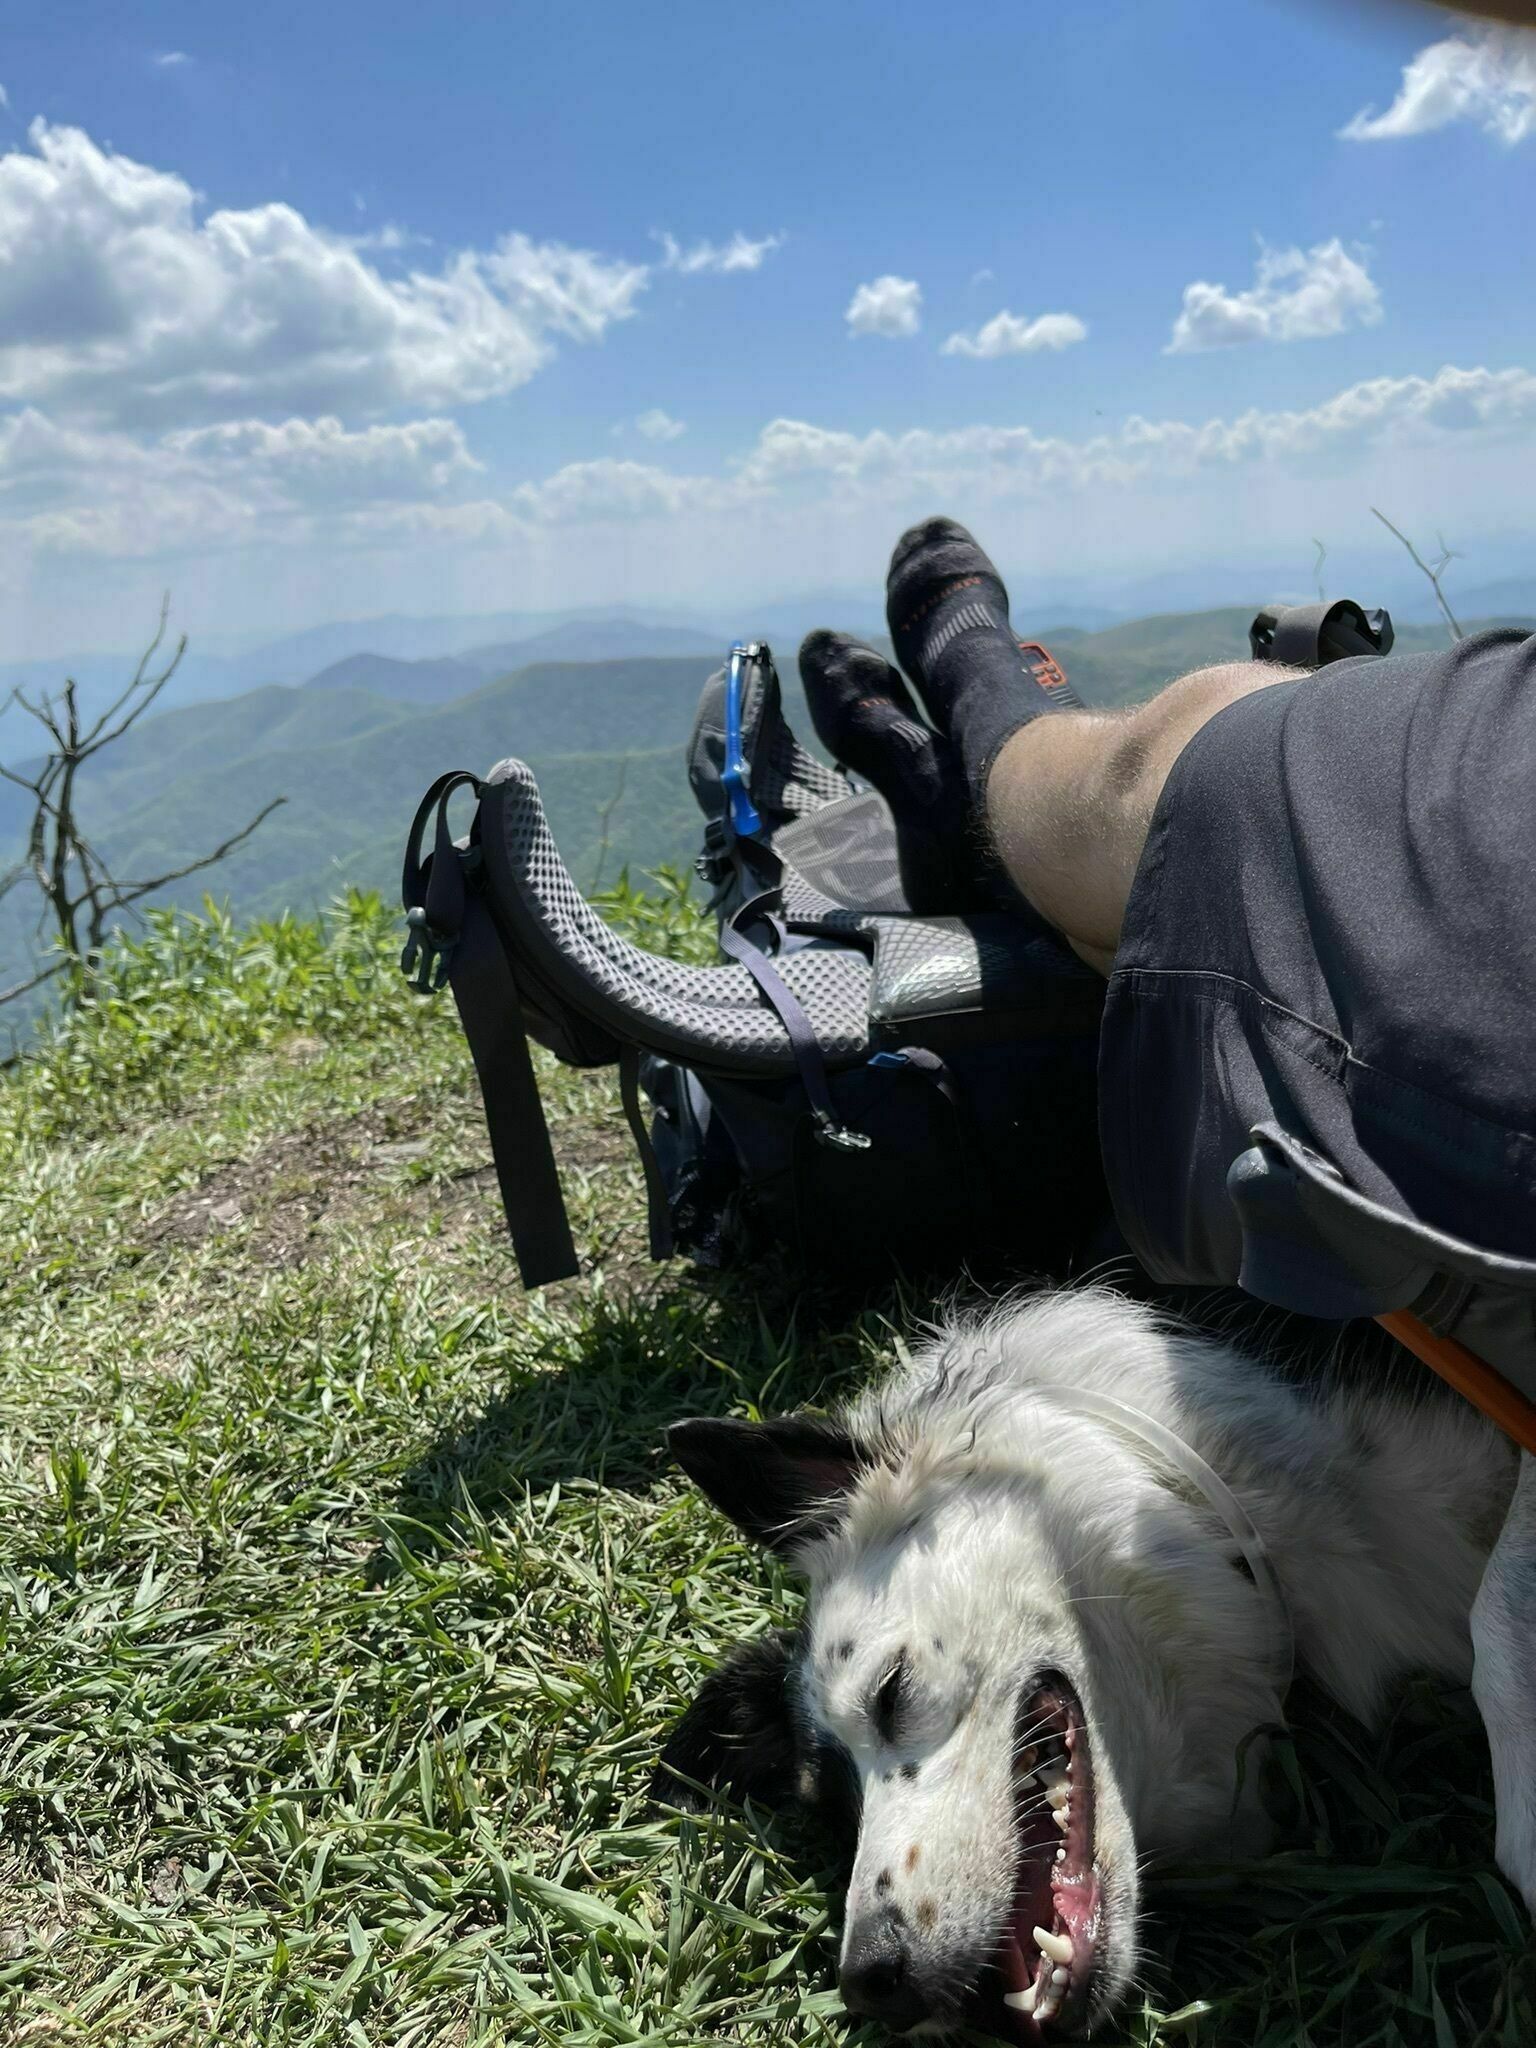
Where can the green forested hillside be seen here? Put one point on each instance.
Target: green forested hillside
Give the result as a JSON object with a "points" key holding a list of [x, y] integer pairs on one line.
{"points": [[351, 763], [351, 767]]}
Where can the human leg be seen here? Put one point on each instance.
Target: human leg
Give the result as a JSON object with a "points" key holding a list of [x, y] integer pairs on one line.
{"points": [[1070, 799], [1066, 798]]}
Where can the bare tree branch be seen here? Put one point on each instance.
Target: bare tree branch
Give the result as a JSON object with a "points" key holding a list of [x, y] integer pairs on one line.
{"points": [[130, 892], [21, 781], [1447, 556], [74, 880], [96, 737], [22, 988]]}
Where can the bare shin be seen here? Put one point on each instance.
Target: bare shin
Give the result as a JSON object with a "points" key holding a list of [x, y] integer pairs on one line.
{"points": [[1070, 799]]}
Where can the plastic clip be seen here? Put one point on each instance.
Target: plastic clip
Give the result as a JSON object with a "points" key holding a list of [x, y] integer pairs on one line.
{"points": [[735, 777], [427, 955]]}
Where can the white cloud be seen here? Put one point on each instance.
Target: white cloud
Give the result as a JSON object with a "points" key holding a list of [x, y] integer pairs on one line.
{"points": [[1486, 76], [721, 258], [1294, 297], [1010, 334], [1011, 459], [194, 385], [117, 304], [810, 503], [890, 306], [390, 238], [260, 525], [614, 489], [322, 459], [169, 59], [80, 489], [317, 484]]}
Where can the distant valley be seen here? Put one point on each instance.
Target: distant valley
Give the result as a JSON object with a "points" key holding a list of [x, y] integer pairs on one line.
{"points": [[352, 743]]}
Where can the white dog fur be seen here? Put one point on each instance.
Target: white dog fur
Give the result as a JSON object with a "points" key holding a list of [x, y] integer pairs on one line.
{"points": [[987, 1535]]}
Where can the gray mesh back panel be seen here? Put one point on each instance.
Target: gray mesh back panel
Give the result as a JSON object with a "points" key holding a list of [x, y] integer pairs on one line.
{"points": [[714, 1017], [916, 970]]}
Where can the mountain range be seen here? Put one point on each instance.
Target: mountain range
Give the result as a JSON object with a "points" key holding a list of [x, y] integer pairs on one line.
{"points": [[439, 679], [491, 644], [412, 660], [352, 745]]}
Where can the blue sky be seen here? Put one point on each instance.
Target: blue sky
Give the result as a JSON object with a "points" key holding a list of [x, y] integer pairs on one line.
{"points": [[308, 313]]}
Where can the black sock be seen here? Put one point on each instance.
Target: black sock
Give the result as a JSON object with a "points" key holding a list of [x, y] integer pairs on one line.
{"points": [[948, 614], [865, 718]]}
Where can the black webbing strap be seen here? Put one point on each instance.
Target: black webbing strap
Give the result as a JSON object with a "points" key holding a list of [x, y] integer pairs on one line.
{"points": [[453, 939], [486, 994], [658, 1214], [923, 1060], [798, 1028], [416, 878], [432, 890]]}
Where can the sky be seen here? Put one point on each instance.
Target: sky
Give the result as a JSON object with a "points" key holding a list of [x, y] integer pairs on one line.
{"points": [[317, 313]]}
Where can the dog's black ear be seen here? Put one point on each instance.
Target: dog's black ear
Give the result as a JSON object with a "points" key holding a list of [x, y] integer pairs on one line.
{"points": [[739, 1735], [776, 1480]]}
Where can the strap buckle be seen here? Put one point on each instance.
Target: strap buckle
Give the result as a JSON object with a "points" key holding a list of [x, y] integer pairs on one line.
{"points": [[428, 954], [714, 863]]}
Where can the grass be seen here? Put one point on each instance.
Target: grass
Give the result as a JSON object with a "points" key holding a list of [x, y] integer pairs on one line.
{"points": [[345, 1595]]}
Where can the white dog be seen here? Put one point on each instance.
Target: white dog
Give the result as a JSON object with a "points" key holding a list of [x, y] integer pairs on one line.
{"points": [[1060, 1569]]}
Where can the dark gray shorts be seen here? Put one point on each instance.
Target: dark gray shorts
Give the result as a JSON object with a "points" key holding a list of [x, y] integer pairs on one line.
{"points": [[1332, 934]]}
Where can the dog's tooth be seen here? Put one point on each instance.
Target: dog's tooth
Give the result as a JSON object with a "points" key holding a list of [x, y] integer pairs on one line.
{"points": [[1057, 1946], [1063, 1817], [1021, 2001], [1060, 1977], [1061, 1853]]}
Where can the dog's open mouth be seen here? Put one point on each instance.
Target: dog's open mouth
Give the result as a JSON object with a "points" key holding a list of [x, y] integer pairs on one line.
{"points": [[1044, 1969]]}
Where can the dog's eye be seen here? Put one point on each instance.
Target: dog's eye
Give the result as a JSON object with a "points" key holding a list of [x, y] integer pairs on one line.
{"points": [[888, 1699]]}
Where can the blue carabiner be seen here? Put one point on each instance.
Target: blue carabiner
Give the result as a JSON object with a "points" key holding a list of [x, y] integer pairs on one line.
{"points": [[740, 814]]}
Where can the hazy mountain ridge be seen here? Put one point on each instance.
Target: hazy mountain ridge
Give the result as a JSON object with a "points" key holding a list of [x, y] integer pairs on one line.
{"points": [[398, 656], [352, 762], [492, 643], [439, 679]]}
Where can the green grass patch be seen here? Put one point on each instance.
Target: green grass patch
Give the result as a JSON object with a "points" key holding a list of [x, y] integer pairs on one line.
{"points": [[345, 1594]]}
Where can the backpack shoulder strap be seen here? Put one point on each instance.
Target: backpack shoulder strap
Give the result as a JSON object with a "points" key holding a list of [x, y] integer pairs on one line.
{"points": [[453, 939], [489, 1009]]}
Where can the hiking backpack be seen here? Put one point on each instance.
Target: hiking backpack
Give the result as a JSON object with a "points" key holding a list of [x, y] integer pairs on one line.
{"points": [[860, 1083]]}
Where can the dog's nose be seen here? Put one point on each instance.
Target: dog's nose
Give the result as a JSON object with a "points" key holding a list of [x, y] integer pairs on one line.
{"points": [[877, 1979]]}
